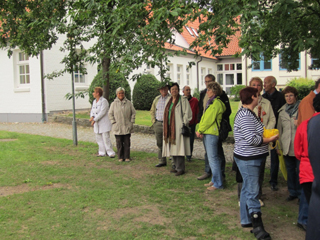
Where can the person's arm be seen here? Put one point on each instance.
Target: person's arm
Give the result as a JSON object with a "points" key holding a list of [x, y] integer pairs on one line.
{"points": [[249, 130], [224, 98], [271, 121], [103, 110], [200, 106], [153, 111], [209, 117], [298, 144], [111, 114], [133, 113]]}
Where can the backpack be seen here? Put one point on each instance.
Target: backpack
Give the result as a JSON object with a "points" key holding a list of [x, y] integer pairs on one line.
{"points": [[224, 128]]}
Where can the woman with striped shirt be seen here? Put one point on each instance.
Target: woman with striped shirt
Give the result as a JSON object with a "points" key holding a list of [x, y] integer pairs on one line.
{"points": [[250, 151]]}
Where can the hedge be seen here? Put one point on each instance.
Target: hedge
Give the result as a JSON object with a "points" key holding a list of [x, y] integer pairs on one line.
{"points": [[144, 92], [303, 85], [116, 80]]}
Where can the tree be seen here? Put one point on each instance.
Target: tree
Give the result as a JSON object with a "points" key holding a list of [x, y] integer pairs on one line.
{"points": [[267, 28], [126, 33]]}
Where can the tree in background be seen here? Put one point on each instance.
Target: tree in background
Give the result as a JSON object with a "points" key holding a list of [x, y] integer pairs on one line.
{"points": [[267, 28], [124, 33], [303, 85], [235, 91], [144, 92]]}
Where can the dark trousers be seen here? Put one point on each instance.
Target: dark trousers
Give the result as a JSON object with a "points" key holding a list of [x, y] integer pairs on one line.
{"points": [[292, 166], [158, 131], [192, 135], [207, 168], [307, 189], [274, 167], [123, 146], [179, 162]]}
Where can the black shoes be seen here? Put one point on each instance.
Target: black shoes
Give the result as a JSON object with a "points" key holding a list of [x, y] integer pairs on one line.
{"points": [[302, 226], [291, 198], [161, 165], [179, 173], [274, 188]]}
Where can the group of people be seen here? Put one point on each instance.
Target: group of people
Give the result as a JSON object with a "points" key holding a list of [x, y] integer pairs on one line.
{"points": [[173, 113]]}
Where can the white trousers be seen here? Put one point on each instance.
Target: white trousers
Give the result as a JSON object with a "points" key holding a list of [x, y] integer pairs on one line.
{"points": [[105, 145]]}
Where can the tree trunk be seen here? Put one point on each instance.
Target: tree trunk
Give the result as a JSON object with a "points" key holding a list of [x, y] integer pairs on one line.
{"points": [[106, 76]]}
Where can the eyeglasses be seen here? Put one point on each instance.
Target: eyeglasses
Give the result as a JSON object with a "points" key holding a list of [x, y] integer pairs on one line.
{"points": [[289, 96], [208, 81]]}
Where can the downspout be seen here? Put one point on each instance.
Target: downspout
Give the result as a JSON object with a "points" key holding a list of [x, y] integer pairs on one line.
{"points": [[43, 99], [246, 70], [306, 65], [198, 73]]}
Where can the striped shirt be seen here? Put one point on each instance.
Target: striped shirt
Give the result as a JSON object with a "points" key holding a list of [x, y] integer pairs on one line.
{"points": [[160, 107], [248, 136]]}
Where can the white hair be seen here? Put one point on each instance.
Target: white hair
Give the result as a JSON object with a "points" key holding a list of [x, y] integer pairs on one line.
{"points": [[119, 89], [185, 87]]}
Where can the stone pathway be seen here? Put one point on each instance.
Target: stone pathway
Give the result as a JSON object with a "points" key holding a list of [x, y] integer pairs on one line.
{"points": [[139, 141]]}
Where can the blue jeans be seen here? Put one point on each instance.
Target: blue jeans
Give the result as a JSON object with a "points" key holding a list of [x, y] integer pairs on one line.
{"points": [[207, 168], [274, 167], [292, 166], [303, 209], [211, 146], [249, 200]]}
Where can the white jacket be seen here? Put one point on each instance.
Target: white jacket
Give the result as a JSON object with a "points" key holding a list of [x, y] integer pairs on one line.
{"points": [[99, 112]]}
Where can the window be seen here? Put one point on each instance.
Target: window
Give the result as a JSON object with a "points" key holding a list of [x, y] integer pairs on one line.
{"points": [[282, 63], [261, 65], [229, 67], [239, 66], [169, 71], [220, 78], [188, 72], [209, 70], [219, 67], [239, 78], [229, 79], [315, 61], [149, 69], [78, 76], [24, 70], [190, 31], [203, 74], [179, 74], [195, 32]]}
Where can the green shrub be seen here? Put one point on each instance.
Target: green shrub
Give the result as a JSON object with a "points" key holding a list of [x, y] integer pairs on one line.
{"points": [[196, 93], [144, 91], [303, 85], [235, 90], [116, 80]]}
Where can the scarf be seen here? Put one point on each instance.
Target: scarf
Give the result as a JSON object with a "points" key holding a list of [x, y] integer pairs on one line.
{"points": [[210, 101], [169, 130], [292, 108]]}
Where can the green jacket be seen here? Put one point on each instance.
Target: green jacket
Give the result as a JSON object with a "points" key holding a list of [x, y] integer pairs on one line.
{"points": [[208, 124]]}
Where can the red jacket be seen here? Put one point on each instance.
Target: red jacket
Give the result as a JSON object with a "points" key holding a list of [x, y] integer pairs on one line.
{"points": [[301, 152], [195, 110]]}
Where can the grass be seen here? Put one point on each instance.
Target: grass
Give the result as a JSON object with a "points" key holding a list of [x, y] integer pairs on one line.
{"points": [[50, 189], [144, 118]]}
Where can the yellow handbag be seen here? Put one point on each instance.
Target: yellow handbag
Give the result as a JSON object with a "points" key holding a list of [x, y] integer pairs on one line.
{"points": [[282, 165], [267, 133]]}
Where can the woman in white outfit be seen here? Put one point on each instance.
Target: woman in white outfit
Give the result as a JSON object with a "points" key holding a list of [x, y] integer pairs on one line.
{"points": [[101, 123]]}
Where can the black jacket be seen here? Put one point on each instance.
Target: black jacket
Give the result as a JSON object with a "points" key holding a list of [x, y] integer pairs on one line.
{"points": [[277, 101], [224, 98]]}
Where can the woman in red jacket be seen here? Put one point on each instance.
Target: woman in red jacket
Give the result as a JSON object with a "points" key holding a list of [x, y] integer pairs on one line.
{"points": [[301, 152]]}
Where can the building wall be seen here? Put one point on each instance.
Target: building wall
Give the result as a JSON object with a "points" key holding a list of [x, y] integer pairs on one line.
{"points": [[282, 75]]}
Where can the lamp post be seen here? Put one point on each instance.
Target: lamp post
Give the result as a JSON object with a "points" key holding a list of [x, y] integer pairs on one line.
{"points": [[74, 123]]}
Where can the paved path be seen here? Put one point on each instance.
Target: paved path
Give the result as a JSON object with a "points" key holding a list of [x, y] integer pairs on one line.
{"points": [[139, 141]]}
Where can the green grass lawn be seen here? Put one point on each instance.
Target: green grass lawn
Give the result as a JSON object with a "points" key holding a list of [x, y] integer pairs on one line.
{"points": [[50, 189]]}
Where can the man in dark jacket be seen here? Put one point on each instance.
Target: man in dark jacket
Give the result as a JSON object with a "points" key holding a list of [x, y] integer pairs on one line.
{"points": [[202, 103], [277, 101]]}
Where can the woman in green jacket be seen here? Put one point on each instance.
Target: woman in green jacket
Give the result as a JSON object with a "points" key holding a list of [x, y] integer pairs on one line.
{"points": [[209, 129]]}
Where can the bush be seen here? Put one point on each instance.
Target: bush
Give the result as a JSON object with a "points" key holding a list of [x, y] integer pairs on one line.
{"points": [[116, 80], [235, 90], [196, 93], [144, 92], [303, 85]]}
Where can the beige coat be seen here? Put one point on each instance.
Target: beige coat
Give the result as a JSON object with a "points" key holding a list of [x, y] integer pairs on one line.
{"points": [[122, 116], [182, 146], [269, 120], [287, 131]]}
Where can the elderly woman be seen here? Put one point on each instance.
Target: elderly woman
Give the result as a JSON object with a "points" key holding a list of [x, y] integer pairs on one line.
{"points": [[122, 115], [250, 151], [209, 130], [177, 112], [288, 114], [265, 113], [101, 123]]}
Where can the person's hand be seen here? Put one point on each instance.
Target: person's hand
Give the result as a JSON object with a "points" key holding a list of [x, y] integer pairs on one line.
{"points": [[198, 134], [295, 121], [278, 152], [91, 119], [92, 123], [201, 135], [274, 138]]}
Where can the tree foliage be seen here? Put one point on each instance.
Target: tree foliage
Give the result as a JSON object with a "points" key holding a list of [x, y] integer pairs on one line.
{"points": [[235, 91], [124, 33], [144, 92], [267, 28], [117, 79], [303, 85]]}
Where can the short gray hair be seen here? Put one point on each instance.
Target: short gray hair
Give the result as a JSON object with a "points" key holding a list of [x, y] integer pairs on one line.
{"points": [[119, 89], [185, 87]]}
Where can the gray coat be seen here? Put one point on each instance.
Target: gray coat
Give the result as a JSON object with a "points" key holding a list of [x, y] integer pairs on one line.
{"points": [[182, 146], [122, 116]]}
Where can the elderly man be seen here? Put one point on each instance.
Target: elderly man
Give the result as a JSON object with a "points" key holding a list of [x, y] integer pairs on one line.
{"points": [[306, 109], [202, 107], [157, 110], [277, 101], [195, 110]]}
